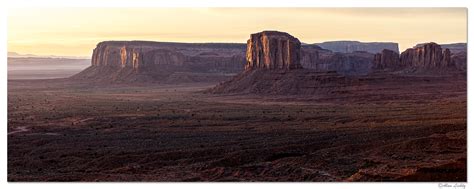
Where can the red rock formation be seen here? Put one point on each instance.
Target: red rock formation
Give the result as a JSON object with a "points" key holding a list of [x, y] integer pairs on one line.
{"points": [[129, 60], [123, 60], [427, 56], [453, 47], [353, 46], [273, 50], [446, 61], [355, 63], [459, 59], [140, 54], [387, 59]]}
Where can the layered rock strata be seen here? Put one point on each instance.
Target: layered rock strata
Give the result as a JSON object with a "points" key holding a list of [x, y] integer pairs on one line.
{"points": [[143, 56], [353, 46], [319, 59], [273, 50], [427, 56], [156, 61], [387, 59]]}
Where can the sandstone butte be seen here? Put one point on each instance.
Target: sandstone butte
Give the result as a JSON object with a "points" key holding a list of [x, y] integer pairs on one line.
{"points": [[425, 57], [386, 59], [273, 50], [429, 55], [266, 50]]}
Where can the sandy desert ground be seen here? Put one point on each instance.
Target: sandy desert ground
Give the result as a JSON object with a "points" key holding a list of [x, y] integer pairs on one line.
{"points": [[409, 128]]}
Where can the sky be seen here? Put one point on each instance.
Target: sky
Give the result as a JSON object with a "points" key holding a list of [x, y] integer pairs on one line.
{"points": [[76, 31]]}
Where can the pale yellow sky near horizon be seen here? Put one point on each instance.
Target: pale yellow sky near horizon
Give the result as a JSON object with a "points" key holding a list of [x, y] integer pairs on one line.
{"points": [[76, 31]]}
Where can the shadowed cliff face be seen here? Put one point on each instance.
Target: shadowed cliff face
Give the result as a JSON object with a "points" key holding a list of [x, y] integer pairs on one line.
{"points": [[268, 73], [143, 61], [458, 54], [453, 47], [352, 46], [460, 60], [268, 49], [154, 61], [428, 56], [273, 50], [422, 57], [319, 59], [387, 59], [279, 50], [146, 56]]}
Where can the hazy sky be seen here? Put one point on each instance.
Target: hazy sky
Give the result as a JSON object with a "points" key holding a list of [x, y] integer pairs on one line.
{"points": [[76, 31]]}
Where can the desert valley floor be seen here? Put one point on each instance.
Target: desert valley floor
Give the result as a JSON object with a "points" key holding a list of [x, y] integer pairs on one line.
{"points": [[385, 128]]}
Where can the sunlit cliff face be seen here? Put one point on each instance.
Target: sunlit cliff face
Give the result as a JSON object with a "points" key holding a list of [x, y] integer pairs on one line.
{"points": [[123, 56], [135, 60], [76, 31]]}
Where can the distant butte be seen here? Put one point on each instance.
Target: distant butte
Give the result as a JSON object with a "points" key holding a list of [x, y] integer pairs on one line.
{"points": [[167, 62], [273, 50], [273, 66], [422, 57], [387, 59], [427, 56], [146, 61]]}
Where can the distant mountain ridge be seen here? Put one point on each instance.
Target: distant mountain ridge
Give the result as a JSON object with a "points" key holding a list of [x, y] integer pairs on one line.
{"points": [[18, 55]]}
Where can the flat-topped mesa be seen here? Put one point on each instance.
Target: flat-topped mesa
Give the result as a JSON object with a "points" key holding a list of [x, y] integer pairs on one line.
{"points": [[427, 56], [387, 59], [148, 61], [273, 50], [148, 56], [353, 46], [135, 57]]}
